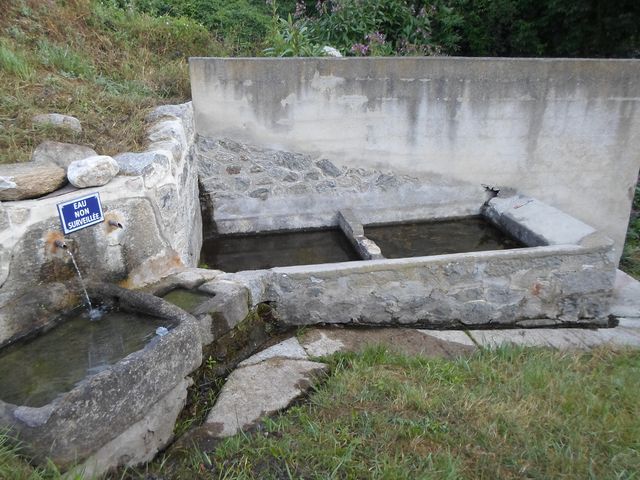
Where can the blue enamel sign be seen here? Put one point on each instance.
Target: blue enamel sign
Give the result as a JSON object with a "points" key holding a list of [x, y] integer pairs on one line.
{"points": [[80, 213]]}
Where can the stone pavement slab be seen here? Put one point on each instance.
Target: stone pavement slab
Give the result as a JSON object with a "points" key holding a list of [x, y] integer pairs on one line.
{"points": [[560, 338], [289, 348], [255, 391], [629, 322], [454, 336]]}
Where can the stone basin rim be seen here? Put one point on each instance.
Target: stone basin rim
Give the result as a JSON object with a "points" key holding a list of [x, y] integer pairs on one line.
{"points": [[102, 292]]}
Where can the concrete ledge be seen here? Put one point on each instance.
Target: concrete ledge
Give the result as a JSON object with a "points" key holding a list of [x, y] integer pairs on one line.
{"points": [[535, 223]]}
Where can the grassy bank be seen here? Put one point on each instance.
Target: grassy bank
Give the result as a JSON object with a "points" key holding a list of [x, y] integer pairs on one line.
{"points": [[86, 58]]}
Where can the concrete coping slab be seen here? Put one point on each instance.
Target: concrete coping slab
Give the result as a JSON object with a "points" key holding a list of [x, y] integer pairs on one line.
{"points": [[626, 296], [536, 224]]}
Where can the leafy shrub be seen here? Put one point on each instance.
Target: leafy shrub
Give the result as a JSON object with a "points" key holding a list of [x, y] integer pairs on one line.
{"points": [[385, 27], [163, 35], [573, 28], [289, 38], [630, 261]]}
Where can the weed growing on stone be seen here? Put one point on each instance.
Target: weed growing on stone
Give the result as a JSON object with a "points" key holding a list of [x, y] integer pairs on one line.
{"points": [[630, 261]]}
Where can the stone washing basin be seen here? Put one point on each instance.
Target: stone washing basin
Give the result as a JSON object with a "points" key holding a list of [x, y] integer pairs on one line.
{"points": [[563, 274], [127, 411]]}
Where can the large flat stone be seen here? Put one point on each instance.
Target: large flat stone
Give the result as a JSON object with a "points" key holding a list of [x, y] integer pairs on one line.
{"points": [[253, 392], [289, 348], [62, 154], [321, 342], [21, 181]]}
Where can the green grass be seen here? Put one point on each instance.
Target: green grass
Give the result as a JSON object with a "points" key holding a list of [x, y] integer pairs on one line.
{"points": [[511, 413], [14, 466], [14, 63], [67, 62]]}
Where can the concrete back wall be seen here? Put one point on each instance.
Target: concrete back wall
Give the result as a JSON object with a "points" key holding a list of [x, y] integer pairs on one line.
{"points": [[565, 131]]}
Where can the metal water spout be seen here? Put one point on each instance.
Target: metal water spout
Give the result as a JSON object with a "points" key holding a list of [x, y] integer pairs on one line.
{"points": [[60, 244]]}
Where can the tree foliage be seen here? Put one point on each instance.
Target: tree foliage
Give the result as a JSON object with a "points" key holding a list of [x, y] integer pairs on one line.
{"points": [[550, 28]]}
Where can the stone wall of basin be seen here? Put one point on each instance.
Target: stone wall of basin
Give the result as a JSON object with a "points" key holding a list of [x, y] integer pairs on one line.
{"points": [[564, 130], [533, 287], [154, 198], [248, 188]]}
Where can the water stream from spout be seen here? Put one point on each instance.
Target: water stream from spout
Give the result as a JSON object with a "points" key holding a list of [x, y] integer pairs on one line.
{"points": [[84, 289]]}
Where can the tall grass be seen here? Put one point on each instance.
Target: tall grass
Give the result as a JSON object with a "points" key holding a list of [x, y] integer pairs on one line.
{"points": [[64, 60], [14, 63]]}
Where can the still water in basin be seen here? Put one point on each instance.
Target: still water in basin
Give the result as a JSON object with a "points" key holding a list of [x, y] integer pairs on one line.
{"points": [[34, 372], [188, 300], [470, 234], [254, 252]]}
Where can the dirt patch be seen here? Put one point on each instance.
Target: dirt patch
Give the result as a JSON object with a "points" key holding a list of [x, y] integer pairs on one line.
{"points": [[401, 340]]}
